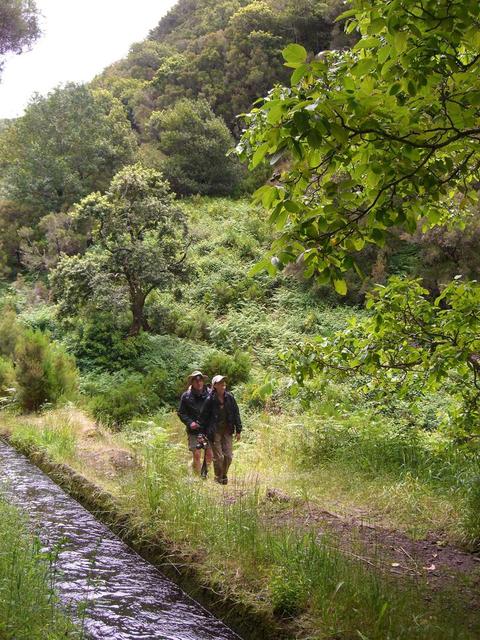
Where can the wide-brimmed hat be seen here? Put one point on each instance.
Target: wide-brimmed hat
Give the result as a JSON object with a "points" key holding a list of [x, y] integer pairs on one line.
{"points": [[196, 374], [218, 378]]}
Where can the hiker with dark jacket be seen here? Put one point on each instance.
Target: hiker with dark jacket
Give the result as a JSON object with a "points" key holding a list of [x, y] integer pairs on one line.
{"points": [[220, 417], [191, 403]]}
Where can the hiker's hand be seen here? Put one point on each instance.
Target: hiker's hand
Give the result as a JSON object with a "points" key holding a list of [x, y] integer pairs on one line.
{"points": [[194, 425], [238, 437]]}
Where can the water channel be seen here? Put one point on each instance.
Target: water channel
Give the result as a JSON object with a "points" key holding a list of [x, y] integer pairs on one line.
{"points": [[127, 598]]}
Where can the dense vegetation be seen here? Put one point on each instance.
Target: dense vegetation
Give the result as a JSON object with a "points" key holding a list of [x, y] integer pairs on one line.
{"points": [[129, 255]]}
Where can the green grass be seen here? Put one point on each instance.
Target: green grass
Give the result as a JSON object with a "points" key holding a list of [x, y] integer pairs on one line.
{"points": [[281, 568], [28, 604], [56, 439]]}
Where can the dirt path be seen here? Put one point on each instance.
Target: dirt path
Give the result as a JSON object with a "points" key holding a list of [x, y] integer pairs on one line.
{"points": [[436, 563]]}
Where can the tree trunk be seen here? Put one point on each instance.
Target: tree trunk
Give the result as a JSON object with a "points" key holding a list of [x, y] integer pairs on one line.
{"points": [[137, 304]]}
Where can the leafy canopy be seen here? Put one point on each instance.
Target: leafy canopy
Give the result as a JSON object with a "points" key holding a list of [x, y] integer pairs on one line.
{"points": [[385, 134], [67, 144]]}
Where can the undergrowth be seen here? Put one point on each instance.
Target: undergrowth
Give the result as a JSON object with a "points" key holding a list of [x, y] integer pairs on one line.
{"points": [[29, 607]]}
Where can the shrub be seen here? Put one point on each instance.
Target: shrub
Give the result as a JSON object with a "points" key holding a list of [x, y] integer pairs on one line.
{"points": [[7, 376], [101, 343], [195, 142], [40, 317], [174, 356], [44, 372], [10, 331], [236, 368], [134, 396]]}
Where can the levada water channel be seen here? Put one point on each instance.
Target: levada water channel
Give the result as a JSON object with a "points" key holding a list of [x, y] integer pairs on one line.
{"points": [[125, 597]]}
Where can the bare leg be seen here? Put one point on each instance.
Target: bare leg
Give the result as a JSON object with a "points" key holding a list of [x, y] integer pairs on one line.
{"points": [[197, 461]]}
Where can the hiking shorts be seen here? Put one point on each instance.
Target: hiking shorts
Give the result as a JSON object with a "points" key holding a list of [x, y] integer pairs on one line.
{"points": [[192, 442]]}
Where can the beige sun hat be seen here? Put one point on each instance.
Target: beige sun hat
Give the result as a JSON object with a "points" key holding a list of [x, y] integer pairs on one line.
{"points": [[218, 378], [196, 374]]}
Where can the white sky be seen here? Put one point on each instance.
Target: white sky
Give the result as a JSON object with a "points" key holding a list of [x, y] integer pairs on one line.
{"points": [[79, 39]]}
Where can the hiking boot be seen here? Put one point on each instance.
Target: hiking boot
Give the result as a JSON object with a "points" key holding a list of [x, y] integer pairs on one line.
{"points": [[204, 473], [224, 480]]}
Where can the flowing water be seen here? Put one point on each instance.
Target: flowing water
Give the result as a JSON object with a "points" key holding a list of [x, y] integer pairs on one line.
{"points": [[126, 598]]}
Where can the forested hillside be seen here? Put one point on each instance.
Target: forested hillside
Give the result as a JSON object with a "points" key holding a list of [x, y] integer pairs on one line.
{"points": [[132, 252], [226, 52]]}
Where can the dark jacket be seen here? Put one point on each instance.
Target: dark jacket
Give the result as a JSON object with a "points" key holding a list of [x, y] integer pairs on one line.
{"points": [[209, 416], [191, 404]]}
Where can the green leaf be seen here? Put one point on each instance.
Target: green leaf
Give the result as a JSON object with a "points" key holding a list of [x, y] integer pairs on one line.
{"points": [[314, 139], [259, 154], [362, 67], [366, 43], [400, 41], [299, 73], [339, 133], [258, 267], [294, 55], [346, 14], [340, 286]]}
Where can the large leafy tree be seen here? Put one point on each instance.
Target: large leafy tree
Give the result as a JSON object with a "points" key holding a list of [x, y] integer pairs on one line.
{"points": [[195, 142], [383, 135], [18, 26], [380, 137], [67, 144], [138, 244]]}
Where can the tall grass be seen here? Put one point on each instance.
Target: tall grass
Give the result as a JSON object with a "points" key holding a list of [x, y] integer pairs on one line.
{"points": [[57, 439], [279, 567], [28, 604]]}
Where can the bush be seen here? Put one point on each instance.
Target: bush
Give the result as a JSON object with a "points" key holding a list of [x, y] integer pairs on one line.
{"points": [[44, 372], [7, 376], [174, 356], [102, 344], [40, 317], [136, 395], [236, 368], [10, 331], [195, 142], [165, 315]]}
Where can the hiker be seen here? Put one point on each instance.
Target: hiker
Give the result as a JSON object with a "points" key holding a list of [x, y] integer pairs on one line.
{"points": [[221, 419], [191, 403]]}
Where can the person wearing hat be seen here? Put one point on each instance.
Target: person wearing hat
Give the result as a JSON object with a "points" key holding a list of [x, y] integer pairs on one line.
{"points": [[221, 418], [191, 403]]}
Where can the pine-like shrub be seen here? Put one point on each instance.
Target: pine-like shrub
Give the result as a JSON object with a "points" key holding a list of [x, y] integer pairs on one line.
{"points": [[7, 376], [10, 331], [44, 372]]}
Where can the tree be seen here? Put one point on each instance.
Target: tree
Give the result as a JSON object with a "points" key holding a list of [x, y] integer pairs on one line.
{"points": [[383, 135], [409, 345], [67, 145], [18, 26], [195, 142], [138, 244]]}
